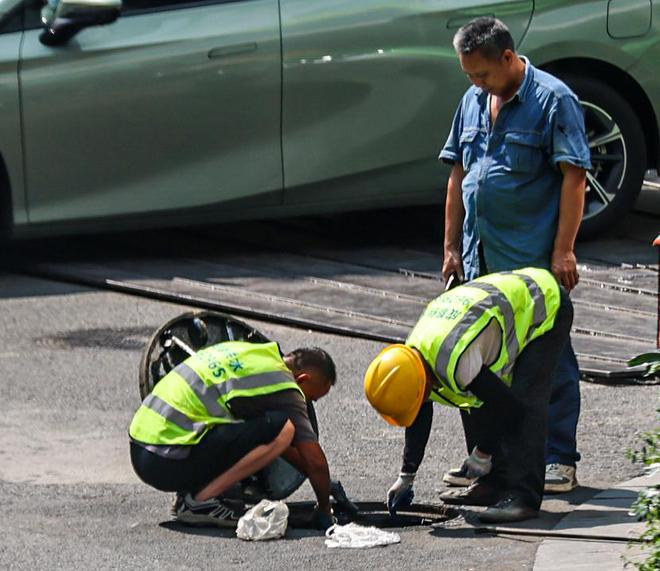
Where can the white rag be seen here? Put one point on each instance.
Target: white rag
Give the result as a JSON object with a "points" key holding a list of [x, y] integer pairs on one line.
{"points": [[357, 536]]}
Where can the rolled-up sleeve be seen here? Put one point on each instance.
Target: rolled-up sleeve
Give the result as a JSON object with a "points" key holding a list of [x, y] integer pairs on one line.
{"points": [[569, 139], [451, 152]]}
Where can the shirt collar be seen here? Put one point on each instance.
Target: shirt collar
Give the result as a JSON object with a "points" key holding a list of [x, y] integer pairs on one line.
{"points": [[527, 80]]}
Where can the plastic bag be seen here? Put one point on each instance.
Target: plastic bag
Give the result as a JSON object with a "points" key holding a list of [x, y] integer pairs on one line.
{"points": [[357, 536], [266, 520]]}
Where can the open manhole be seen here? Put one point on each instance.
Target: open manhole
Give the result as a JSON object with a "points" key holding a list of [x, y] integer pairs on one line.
{"points": [[376, 514]]}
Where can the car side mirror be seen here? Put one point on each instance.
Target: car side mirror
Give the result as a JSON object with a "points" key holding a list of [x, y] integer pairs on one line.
{"points": [[64, 19]]}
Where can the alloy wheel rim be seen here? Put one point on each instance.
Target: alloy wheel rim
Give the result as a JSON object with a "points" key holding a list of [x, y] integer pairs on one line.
{"points": [[609, 159]]}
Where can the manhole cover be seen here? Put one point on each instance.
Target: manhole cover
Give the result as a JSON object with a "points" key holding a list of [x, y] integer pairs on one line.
{"points": [[376, 514]]}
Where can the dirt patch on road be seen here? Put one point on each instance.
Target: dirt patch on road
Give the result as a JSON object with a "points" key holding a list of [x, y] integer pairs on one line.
{"points": [[122, 338]]}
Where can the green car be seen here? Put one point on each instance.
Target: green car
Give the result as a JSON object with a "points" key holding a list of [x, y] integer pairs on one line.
{"points": [[164, 112]]}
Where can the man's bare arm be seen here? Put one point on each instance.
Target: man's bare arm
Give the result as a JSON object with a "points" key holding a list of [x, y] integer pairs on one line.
{"points": [[564, 262], [454, 215], [310, 459]]}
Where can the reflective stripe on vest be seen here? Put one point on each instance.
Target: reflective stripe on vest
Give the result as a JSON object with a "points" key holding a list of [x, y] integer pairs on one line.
{"points": [[475, 313], [195, 395], [450, 324], [208, 394], [540, 313], [168, 412]]}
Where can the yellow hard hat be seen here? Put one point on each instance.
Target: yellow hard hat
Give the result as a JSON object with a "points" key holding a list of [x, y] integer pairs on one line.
{"points": [[395, 384]]}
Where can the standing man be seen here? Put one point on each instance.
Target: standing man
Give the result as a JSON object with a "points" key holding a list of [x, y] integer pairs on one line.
{"points": [[489, 348], [225, 413], [515, 198]]}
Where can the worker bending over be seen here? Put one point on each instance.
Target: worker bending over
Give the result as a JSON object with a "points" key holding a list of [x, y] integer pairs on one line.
{"points": [[225, 413], [488, 347]]}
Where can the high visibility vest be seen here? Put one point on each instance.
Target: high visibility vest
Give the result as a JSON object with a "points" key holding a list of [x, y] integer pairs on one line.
{"points": [[524, 303], [195, 395]]}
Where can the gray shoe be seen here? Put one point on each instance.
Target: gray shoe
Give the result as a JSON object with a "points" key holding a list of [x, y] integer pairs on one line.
{"points": [[472, 468], [216, 512], [559, 478], [460, 476]]}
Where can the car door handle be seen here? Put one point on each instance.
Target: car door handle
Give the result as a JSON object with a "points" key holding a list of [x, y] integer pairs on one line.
{"points": [[235, 49]]}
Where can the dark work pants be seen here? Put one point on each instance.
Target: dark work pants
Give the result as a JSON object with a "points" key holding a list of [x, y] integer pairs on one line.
{"points": [[220, 448], [519, 466], [561, 446], [564, 413]]}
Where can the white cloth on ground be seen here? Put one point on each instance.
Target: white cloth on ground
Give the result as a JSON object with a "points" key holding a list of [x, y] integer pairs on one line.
{"points": [[357, 536]]}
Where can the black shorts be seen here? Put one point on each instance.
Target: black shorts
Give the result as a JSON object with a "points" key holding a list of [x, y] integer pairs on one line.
{"points": [[220, 448]]}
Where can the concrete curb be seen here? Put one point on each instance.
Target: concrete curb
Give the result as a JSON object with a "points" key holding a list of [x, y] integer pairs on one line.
{"points": [[605, 515]]}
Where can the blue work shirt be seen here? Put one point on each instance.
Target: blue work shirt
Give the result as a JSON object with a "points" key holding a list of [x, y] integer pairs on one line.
{"points": [[512, 183]]}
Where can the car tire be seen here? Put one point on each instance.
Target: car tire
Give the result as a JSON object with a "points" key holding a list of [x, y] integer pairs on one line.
{"points": [[618, 153], [221, 327]]}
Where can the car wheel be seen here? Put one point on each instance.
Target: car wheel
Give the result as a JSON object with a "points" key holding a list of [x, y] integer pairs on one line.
{"points": [[618, 154], [160, 355]]}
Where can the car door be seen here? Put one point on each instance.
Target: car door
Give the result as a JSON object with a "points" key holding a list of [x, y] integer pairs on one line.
{"points": [[175, 105], [373, 85], [12, 198]]}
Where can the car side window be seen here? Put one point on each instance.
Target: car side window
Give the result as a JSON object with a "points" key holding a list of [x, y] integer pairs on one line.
{"points": [[12, 21]]}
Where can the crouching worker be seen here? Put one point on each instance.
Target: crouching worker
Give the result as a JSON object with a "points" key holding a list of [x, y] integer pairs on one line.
{"points": [[489, 347], [222, 415]]}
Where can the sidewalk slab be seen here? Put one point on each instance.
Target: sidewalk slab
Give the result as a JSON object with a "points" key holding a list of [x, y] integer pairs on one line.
{"points": [[569, 555], [606, 518]]}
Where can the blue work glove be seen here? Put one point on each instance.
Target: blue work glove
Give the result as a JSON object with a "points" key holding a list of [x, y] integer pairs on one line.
{"points": [[342, 502], [322, 520], [401, 494]]}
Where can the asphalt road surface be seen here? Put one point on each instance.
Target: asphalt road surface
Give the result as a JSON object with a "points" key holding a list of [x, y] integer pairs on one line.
{"points": [[69, 358], [69, 363]]}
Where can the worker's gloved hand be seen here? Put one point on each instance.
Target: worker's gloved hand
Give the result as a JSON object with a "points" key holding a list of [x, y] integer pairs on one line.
{"points": [[342, 502], [401, 494], [323, 520]]}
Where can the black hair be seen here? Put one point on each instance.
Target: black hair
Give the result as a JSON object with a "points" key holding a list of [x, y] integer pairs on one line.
{"points": [[315, 358], [487, 35]]}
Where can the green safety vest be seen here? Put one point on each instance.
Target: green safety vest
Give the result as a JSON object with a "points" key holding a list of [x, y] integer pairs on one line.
{"points": [[524, 303], [195, 395]]}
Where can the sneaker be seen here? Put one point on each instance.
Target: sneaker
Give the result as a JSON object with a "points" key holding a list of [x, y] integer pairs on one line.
{"points": [[462, 476], [218, 512], [559, 478]]}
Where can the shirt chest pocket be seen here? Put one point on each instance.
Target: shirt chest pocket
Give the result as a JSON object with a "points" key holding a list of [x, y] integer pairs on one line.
{"points": [[469, 145], [523, 152]]}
